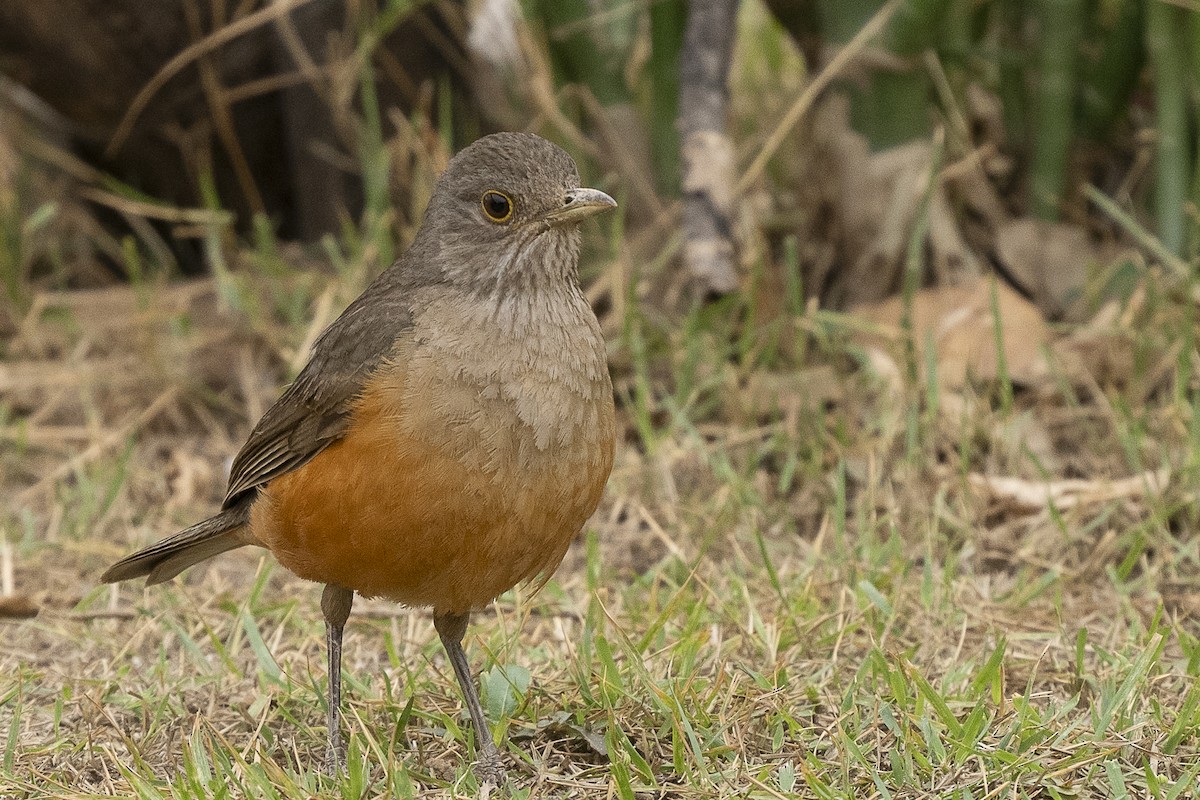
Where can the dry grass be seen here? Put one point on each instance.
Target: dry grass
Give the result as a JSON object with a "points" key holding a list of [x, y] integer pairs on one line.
{"points": [[765, 605], [820, 570]]}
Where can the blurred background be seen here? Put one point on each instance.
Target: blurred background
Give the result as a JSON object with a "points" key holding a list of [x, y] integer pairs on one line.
{"points": [[911, 187], [922, 273], [160, 130]]}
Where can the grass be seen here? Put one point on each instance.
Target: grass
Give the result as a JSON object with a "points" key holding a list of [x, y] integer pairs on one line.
{"points": [[797, 584], [789, 605]]}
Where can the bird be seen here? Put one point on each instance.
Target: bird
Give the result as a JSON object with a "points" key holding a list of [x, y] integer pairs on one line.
{"points": [[452, 430]]}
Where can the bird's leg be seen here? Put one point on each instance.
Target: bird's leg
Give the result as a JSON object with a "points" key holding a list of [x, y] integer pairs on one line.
{"points": [[451, 627], [335, 605]]}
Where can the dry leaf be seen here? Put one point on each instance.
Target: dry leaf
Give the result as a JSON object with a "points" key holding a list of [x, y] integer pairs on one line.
{"points": [[959, 322]]}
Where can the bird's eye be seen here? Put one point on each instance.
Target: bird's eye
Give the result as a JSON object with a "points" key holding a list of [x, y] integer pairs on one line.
{"points": [[497, 206]]}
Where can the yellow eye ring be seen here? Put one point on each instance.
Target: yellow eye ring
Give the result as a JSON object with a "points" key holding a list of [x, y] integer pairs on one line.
{"points": [[497, 206]]}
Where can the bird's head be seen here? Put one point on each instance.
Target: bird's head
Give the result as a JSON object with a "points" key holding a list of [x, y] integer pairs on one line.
{"points": [[506, 212]]}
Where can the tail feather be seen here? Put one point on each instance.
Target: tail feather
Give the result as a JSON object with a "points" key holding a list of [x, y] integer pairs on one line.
{"points": [[167, 558]]}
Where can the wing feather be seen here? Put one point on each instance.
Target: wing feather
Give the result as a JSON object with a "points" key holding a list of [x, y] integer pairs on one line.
{"points": [[314, 411]]}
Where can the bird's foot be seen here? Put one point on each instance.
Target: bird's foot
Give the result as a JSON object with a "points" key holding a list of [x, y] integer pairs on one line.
{"points": [[489, 767], [335, 760]]}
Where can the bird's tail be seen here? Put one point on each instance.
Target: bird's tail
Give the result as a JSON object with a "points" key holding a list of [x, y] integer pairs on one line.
{"points": [[165, 559]]}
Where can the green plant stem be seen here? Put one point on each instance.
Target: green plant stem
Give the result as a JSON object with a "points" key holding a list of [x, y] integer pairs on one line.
{"points": [[1143, 237], [1193, 35], [1164, 25], [914, 266], [1060, 30], [667, 19]]}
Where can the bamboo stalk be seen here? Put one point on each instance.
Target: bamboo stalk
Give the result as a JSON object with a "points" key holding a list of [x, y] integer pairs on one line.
{"points": [[916, 27], [588, 47], [1168, 59], [1060, 31], [1007, 21], [1193, 35], [1111, 69], [667, 19], [894, 107]]}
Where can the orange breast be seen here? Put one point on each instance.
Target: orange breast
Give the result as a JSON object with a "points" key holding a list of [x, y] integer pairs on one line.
{"points": [[439, 495]]}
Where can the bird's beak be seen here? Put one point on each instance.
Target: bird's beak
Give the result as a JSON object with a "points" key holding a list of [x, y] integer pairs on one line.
{"points": [[580, 204]]}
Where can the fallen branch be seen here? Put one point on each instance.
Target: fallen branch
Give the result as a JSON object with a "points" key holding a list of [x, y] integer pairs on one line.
{"points": [[1067, 492]]}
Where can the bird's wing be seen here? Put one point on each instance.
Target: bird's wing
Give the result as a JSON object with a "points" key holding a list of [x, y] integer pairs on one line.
{"points": [[314, 411]]}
